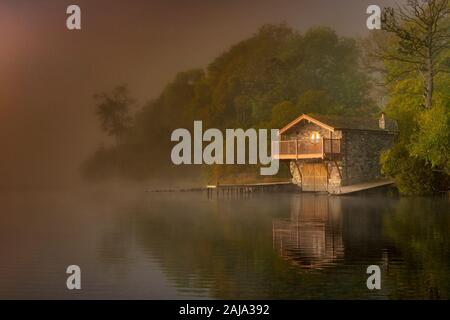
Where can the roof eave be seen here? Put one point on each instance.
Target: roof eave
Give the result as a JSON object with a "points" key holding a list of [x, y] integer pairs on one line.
{"points": [[305, 117]]}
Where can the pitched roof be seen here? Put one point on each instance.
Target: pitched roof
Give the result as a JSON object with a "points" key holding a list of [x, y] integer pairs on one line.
{"points": [[332, 123]]}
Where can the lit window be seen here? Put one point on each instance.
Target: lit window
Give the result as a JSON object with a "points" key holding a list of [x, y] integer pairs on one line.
{"points": [[315, 137]]}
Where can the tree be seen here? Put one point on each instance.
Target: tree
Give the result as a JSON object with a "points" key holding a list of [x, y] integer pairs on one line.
{"points": [[113, 110], [432, 142], [419, 161], [264, 81], [422, 34], [283, 113], [412, 55]]}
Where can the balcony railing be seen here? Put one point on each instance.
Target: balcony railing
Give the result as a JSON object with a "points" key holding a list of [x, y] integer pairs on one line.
{"points": [[296, 149]]}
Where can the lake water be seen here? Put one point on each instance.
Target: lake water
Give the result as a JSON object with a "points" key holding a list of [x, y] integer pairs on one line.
{"points": [[183, 245]]}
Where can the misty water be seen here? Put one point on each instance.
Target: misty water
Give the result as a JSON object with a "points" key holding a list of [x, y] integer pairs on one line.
{"points": [[135, 244]]}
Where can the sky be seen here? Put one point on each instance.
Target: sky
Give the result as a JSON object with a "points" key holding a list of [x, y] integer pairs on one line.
{"points": [[49, 74]]}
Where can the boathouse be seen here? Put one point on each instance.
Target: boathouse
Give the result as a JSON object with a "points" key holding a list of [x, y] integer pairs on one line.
{"points": [[329, 152]]}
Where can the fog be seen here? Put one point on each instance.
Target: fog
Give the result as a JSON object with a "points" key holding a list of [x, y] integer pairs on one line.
{"points": [[48, 74]]}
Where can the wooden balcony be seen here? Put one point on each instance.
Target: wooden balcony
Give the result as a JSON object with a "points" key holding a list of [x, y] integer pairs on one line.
{"points": [[296, 149]]}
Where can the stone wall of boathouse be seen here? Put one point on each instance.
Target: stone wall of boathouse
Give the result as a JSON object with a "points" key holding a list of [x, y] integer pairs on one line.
{"points": [[359, 160], [361, 151]]}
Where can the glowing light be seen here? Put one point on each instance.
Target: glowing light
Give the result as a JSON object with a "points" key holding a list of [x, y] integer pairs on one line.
{"points": [[315, 137]]}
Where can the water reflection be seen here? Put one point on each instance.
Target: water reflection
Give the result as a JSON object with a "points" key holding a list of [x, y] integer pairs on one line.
{"points": [[312, 236], [292, 246], [270, 246], [419, 231]]}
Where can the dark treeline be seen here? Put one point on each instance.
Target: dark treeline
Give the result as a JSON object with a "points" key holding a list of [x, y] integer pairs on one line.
{"points": [[262, 82]]}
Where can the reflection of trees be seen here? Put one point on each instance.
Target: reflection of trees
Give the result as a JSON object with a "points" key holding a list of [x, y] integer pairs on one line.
{"points": [[420, 230], [220, 249], [225, 248], [362, 227], [312, 236]]}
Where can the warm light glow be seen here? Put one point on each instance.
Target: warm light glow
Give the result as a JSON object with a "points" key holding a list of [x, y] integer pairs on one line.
{"points": [[315, 137]]}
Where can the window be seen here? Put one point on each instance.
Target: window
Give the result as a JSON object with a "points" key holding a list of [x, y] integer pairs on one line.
{"points": [[315, 137]]}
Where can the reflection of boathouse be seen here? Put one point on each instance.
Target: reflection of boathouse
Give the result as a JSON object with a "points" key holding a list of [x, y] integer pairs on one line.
{"points": [[312, 236]]}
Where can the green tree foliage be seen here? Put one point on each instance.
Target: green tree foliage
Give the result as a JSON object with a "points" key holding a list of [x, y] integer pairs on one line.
{"points": [[262, 82], [433, 138], [278, 65], [281, 112], [420, 159]]}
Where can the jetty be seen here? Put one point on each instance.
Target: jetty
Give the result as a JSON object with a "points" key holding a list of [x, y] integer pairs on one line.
{"points": [[246, 189], [236, 190], [360, 187]]}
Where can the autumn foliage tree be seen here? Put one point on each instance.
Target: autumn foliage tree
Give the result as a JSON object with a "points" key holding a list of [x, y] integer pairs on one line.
{"points": [[262, 82], [411, 56]]}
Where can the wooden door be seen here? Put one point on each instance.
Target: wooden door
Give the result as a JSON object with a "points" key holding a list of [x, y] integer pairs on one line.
{"points": [[314, 177]]}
